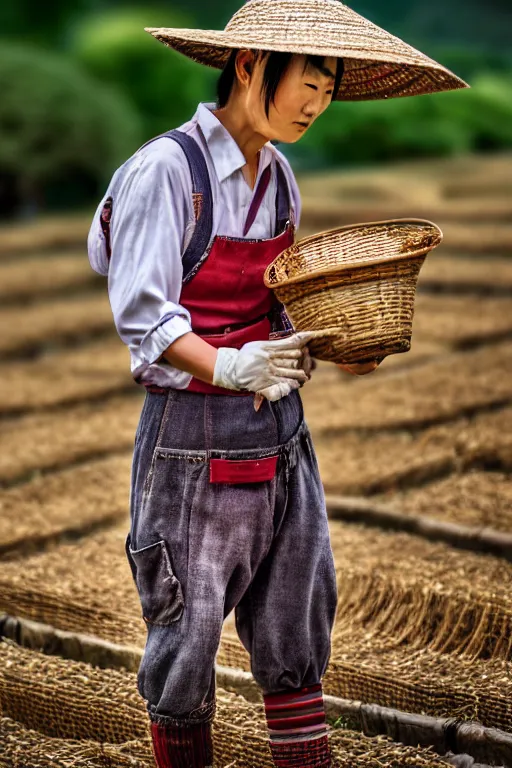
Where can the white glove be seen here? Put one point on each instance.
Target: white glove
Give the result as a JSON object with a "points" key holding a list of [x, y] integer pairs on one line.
{"points": [[259, 365], [277, 391]]}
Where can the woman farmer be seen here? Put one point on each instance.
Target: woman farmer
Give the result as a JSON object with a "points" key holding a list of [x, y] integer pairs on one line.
{"points": [[227, 506]]}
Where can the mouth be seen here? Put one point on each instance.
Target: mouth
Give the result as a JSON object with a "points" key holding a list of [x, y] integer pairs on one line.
{"points": [[304, 125]]}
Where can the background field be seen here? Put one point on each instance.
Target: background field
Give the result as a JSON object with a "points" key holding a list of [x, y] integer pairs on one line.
{"points": [[416, 460]]}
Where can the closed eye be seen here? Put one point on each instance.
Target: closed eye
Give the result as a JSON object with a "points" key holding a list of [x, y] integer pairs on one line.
{"points": [[315, 87]]}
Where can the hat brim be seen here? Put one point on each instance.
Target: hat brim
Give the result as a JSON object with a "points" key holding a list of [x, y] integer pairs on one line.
{"points": [[368, 74]]}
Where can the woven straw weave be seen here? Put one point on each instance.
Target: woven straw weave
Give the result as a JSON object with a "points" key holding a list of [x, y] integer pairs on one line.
{"points": [[22, 747], [377, 64], [462, 600], [401, 590], [356, 283], [363, 667], [240, 735]]}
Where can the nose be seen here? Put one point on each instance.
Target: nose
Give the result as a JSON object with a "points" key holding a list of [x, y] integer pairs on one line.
{"points": [[314, 107]]}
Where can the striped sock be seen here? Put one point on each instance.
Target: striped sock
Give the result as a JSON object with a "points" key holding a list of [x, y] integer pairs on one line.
{"points": [[184, 746], [297, 728]]}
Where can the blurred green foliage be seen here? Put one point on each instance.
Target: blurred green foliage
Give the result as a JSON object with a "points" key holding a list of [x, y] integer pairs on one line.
{"points": [[435, 125], [164, 85], [56, 122], [97, 86]]}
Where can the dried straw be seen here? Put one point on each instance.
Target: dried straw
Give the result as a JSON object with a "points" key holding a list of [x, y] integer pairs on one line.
{"points": [[423, 594], [26, 748], [60, 320], [90, 372], [432, 392], [75, 701], [48, 507], [76, 433]]}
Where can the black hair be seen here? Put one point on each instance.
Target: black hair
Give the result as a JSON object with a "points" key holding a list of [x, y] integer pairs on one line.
{"points": [[276, 66]]}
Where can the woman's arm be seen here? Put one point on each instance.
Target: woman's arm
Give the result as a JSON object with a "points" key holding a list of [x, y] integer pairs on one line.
{"points": [[192, 354]]}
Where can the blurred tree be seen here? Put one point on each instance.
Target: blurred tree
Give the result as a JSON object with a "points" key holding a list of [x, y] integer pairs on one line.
{"points": [[164, 85], [57, 126], [434, 125]]}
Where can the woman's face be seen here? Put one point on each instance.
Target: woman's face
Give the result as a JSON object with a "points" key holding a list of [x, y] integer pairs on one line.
{"points": [[301, 96]]}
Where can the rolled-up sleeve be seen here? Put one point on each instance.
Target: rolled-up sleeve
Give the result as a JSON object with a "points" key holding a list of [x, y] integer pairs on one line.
{"points": [[150, 217]]}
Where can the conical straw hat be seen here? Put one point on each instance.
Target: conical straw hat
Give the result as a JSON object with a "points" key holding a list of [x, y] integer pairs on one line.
{"points": [[378, 65]]}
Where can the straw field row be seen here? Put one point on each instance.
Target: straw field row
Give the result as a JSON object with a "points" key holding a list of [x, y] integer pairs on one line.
{"points": [[48, 441], [462, 321], [368, 204], [38, 276], [383, 462], [96, 370], [473, 275], [433, 392], [444, 181], [49, 233], [479, 499], [73, 501], [45, 324], [422, 594], [48, 702], [393, 585]]}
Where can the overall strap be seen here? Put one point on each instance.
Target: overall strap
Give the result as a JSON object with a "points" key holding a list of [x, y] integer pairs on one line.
{"points": [[202, 200], [201, 197], [283, 205]]}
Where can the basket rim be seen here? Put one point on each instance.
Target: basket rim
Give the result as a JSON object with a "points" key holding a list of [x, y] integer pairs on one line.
{"points": [[410, 255]]}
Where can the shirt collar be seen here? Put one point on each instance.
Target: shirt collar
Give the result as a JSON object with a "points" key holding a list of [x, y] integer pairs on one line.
{"points": [[226, 154]]}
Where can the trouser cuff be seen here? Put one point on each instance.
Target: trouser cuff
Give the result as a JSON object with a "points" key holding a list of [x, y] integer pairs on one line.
{"points": [[203, 714]]}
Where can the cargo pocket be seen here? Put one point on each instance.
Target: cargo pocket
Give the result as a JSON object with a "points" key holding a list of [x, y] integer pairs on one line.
{"points": [[160, 592]]}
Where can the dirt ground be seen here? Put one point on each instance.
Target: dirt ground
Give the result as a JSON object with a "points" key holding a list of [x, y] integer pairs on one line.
{"points": [[429, 434]]}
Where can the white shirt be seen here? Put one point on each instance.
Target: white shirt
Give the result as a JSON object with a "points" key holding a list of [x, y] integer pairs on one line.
{"points": [[152, 223]]}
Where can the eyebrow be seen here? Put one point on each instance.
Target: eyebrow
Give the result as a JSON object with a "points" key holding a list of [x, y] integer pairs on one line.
{"points": [[325, 71]]}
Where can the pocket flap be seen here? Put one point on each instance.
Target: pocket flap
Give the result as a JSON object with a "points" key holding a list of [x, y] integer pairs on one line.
{"points": [[159, 590], [245, 471]]}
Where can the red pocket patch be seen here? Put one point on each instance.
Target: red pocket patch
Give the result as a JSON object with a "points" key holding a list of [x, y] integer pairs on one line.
{"points": [[246, 471]]}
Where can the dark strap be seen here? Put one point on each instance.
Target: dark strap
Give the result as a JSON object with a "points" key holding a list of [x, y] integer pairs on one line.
{"points": [[283, 204], [202, 199]]}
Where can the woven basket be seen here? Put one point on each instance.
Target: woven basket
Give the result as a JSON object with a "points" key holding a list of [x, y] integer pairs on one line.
{"points": [[356, 284]]}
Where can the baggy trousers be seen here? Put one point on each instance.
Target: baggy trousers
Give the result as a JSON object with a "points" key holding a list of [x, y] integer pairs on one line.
{"points": [[199, 549]]}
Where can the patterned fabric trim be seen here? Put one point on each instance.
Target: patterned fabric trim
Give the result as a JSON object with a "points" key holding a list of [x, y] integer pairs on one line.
{"points": [[105, 217], [313, 753], [182, 747], [197, 202], [295, 715]]}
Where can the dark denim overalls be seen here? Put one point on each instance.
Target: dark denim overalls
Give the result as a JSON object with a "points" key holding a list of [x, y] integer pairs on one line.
{"points": [[199, 548]]}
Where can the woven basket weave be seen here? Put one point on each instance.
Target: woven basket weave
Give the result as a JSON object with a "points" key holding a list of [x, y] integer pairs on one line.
{"points": [[357, 284]]}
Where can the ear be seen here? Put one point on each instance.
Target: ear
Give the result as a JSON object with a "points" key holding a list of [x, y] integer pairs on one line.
{"points": [[244, 66]]}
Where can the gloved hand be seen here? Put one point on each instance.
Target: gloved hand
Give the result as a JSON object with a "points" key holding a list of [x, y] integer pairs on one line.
{"points": [[261, 365]]}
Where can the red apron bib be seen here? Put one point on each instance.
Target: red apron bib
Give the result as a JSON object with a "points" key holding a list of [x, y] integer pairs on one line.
{"points": [[228, 290]]}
